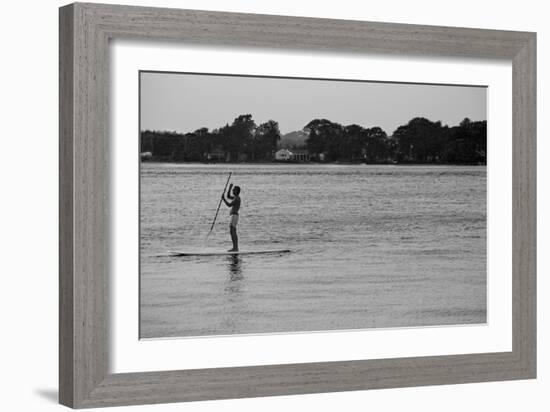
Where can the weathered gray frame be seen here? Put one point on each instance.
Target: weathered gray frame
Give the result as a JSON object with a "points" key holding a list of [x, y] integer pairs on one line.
{"points": [[85, 30]]}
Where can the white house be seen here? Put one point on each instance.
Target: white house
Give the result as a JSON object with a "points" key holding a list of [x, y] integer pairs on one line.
{"points": [[283, 154], [300, 155], [146, 155]]}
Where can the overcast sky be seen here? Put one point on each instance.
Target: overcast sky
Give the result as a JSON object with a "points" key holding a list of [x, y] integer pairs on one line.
{"points": [[186, 102]]}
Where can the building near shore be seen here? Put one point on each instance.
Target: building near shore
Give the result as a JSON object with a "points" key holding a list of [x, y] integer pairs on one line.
{"points": [[146, 156], [300, 155], [217, 155], [283, 155], [292, 155]]}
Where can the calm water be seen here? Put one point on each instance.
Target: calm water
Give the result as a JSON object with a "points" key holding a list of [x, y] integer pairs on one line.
{"points": [[372, 246]]}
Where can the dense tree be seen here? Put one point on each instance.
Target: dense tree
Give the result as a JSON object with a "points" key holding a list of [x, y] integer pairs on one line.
{"points": [[376, 145], [324, 137], [266, 139], [239, 137], [353, 144], [419, 141], [347, 143], [467, 143]]}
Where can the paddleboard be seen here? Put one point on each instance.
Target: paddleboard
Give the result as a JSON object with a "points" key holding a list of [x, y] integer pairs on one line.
{"points": [[240, 252]]}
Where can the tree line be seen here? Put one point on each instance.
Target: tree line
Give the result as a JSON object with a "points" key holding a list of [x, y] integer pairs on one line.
{"points": [[241, 140], [419, 141]]}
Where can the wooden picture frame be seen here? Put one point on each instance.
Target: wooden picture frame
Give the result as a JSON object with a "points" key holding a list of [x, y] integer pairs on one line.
{"points": [[85, 31]]}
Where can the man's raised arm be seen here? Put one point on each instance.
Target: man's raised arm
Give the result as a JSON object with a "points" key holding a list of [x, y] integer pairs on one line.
{"points": [[229, 195], [229, 204]]}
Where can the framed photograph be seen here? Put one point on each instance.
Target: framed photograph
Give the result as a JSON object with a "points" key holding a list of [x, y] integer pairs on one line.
{"points": [[256, 205]]}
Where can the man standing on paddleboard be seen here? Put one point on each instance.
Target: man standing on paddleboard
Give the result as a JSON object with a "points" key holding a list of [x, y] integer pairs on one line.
{"points": [[235, 205]]}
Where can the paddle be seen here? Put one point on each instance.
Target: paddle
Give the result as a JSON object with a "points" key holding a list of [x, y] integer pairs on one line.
{"points": [[219, 205]]}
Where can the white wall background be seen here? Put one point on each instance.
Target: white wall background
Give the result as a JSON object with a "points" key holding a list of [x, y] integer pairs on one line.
{"points": [[28, 205]]}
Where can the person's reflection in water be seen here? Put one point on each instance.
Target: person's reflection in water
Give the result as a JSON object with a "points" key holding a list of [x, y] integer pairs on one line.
{"points": [[234, 301], [235, 273]]}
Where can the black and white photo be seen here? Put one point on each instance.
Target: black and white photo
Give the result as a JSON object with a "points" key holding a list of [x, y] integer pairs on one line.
{"points": [[274, 205]]}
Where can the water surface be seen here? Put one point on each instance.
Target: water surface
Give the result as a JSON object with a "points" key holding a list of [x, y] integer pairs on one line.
{"points": [[372, 246]]}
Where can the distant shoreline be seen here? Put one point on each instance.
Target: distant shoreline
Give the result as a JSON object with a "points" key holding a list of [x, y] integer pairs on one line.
{"points": [[311, 163]]}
